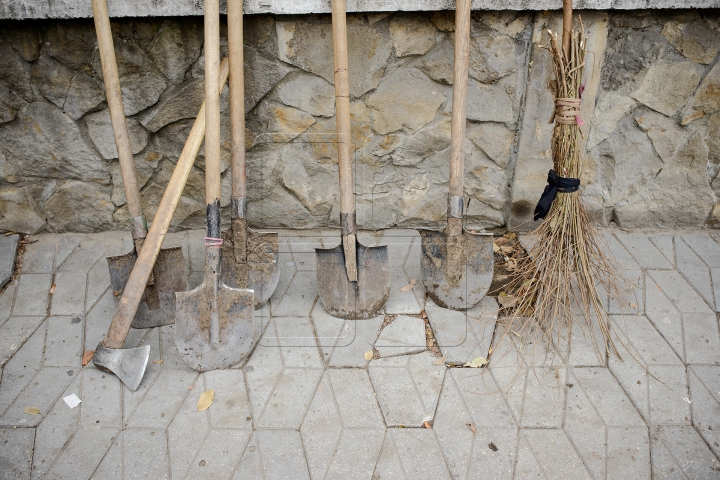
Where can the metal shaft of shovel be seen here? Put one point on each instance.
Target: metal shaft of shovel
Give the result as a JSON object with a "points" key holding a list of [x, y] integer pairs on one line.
{"points": [[214, 322], [353, 280], [250, 258], [157, 306], [457, 266], [129, 364]]}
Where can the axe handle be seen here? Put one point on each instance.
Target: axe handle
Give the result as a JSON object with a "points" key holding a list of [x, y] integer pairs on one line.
{"points": [[459, 101], [342, 108], [115, 105], [125, 312]]}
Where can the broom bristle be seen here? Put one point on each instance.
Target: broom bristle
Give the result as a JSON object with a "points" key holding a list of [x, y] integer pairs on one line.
{"points": [[566, 276]]}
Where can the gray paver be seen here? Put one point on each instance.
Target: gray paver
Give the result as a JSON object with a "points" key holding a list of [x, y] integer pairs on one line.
{"points": [[695, 271], [42, 392], [664, 243], [39, 256], [643, 250], [665, 317], [706, 247], [679, 291], [705, 395], [262, 372], [402, 298], [632, 298], [299, 298], [98, 282], [110, 467], [615, 250], [669, 395], [63, 344], [231, 408], [356, 454], [83, 454], [161, 401], [282, 454], [290, 398], [98, 320], [8, 253], [145, 453], [587, 346], [407, 387], [187, 432], [544, 397], [606, 396], [388, 464], [482, 397], [6, 302], [16, 452], [32, 294], [321, 429], [101, 399], [69, 297], [554, 454], [402, 336], [419, 453], [88, 253], [702, 344], [13, 334], [220, 454], [628, 453], [677, 449], [296, 340], [355, 399], [499, 460], [715, 274]]}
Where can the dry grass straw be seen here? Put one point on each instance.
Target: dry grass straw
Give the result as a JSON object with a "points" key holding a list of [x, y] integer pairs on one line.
{"points": [[565, 277]]}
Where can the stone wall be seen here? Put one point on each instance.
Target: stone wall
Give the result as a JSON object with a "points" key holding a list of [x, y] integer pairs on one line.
{"points": [[651, 104]]}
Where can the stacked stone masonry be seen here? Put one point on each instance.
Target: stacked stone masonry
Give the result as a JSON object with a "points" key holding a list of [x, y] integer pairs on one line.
{"points": [[651, 108]]}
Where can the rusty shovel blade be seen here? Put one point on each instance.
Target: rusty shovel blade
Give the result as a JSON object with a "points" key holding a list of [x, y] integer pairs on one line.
{"points": [[355, 300], [214, 322], [157, 306], [457, 270], [258, 271]]}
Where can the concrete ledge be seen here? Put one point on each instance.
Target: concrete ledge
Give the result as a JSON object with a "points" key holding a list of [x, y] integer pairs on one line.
{"points": [[36, 9]]}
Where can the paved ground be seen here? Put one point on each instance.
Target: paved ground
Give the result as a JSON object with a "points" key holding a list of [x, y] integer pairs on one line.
{"points": [[307, 404]]}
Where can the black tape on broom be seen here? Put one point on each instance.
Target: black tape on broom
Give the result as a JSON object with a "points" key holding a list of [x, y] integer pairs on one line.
{"points": [[555, 185]]}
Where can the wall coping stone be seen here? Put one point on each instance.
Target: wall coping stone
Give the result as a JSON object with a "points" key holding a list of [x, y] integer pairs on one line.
{"points": [[39, 9]]}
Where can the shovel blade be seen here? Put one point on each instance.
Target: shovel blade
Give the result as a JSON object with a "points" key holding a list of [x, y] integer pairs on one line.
{"points": [[157, 306], [194, 321], [128, 364], [260, 272], [457, 271], [355, 300]]}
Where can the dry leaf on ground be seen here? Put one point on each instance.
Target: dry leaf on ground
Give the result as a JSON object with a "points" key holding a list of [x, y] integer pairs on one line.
{"points": [[206, 399], [158, 362], [506, 249], [369, 355], [477, 362], [87, 356], [472, 427], [496, 248], [440, 361], [427, 425], [31, 410], [510, 236], [500, 241], [191, 387], [633, 305], [52, 289], [409, 286]]}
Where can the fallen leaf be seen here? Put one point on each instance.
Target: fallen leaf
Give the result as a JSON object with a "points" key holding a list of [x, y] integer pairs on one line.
{"points": [[52, 289], [31, 410], [158, 362], [87, 356], [206, 399], [409, 286], [502, 294], [369, 355], [506, 300], [500, 241], [191, 387], [511, 265], [472, 427], [426, 425], [633, 305], [496, 248], [423, 314], [510, 235], [440, 361], [506, 249], [477, 362], [489, 351]]}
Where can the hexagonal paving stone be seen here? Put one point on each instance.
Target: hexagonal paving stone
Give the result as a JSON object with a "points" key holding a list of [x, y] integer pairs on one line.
{"points": [[402, 336], [407, 387]]}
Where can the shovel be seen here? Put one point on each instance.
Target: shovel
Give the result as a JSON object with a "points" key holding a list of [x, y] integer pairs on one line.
{"points": [[353, 280], [457, 266], [249, 258], [157, 306], [214, 322], [129, 364]]}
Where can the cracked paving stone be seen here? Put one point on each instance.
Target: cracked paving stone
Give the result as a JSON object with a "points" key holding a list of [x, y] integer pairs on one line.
{"points": [[680, 452], [407, 387], [402, 336]]}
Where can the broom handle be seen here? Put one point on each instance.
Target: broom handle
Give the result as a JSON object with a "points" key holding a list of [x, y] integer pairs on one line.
{"points": [[117, 118], [459, 108], [135, 287], [237, 98], [342, 107], [567, 26]]}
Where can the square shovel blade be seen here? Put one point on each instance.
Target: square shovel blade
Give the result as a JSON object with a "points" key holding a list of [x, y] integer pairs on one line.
{"points": [[457, 270], [214, 325], [355, 300]]}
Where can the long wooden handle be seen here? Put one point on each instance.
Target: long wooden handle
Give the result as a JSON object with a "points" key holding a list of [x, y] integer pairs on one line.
{"points": [[567, 26], [212, 118], [459, 102], [114, 100], [135, 287], [237, 97]]}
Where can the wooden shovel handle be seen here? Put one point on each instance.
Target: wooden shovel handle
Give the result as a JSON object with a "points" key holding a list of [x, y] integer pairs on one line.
{"points": [[212, 103], [114, 100], [135, 287], [459, 102], [567, 26], [237, 97]]}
